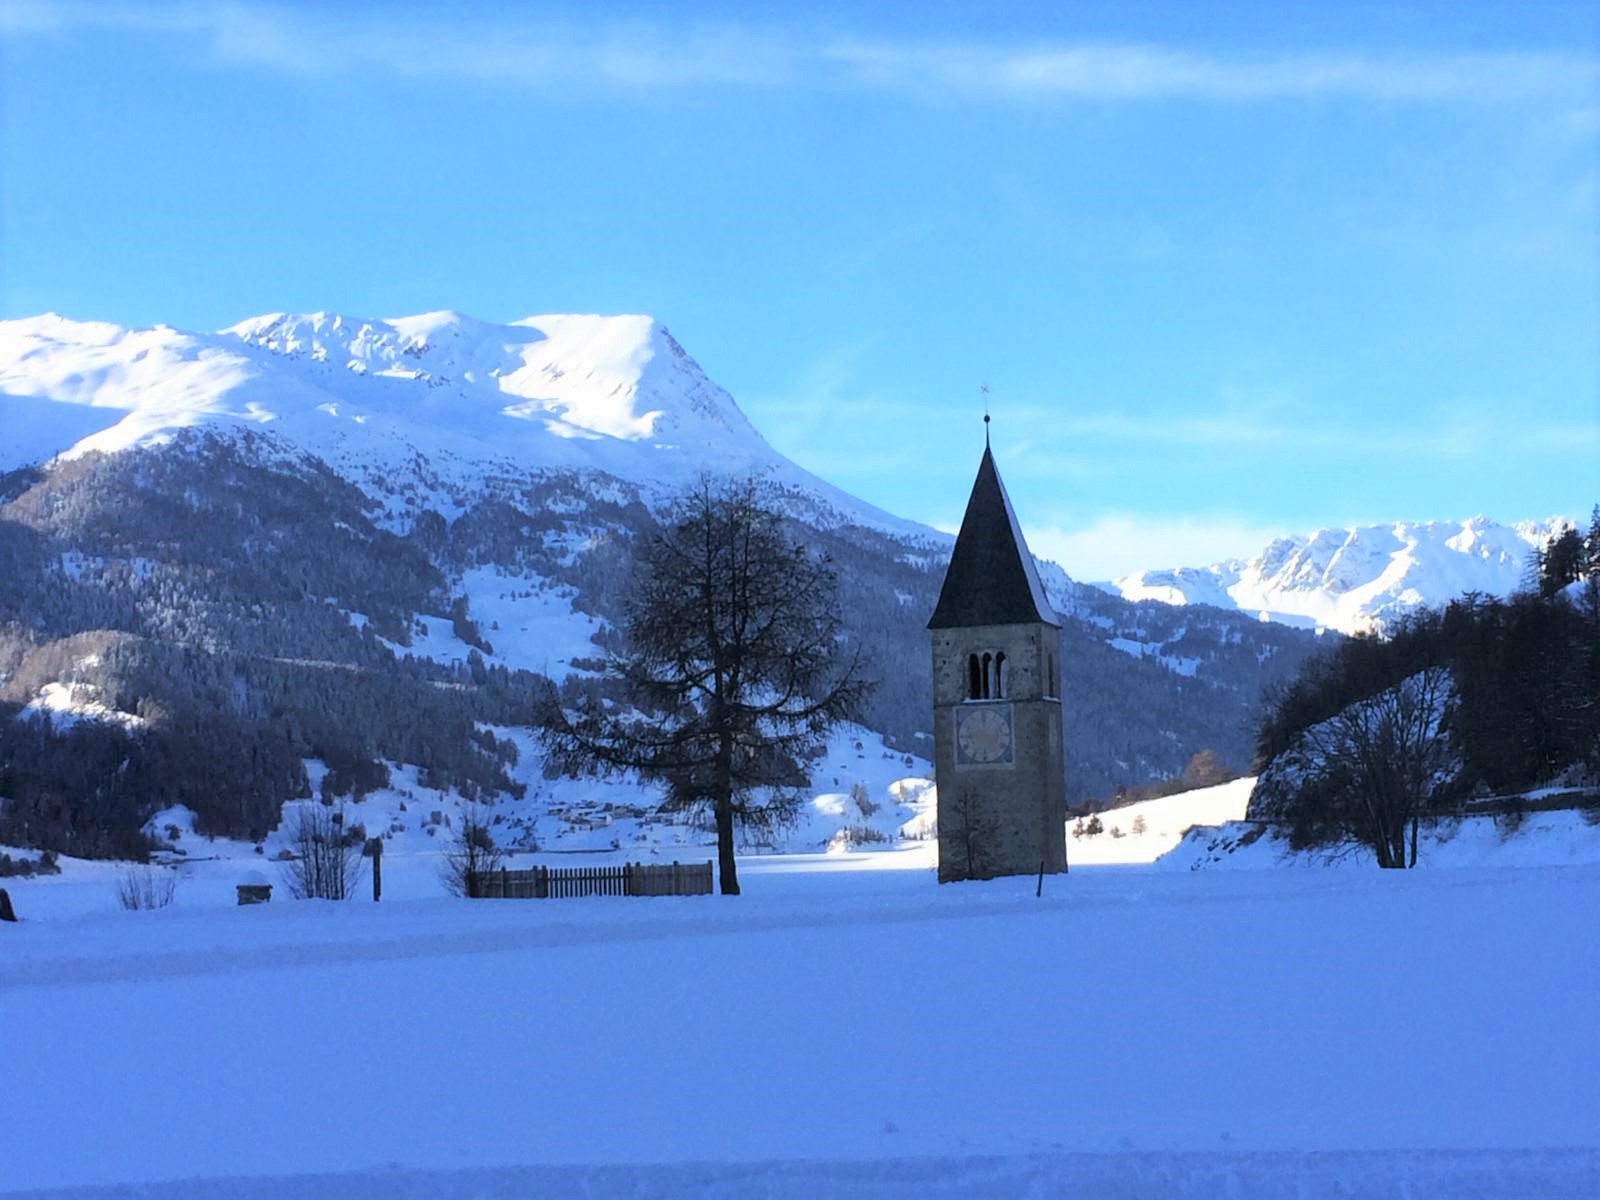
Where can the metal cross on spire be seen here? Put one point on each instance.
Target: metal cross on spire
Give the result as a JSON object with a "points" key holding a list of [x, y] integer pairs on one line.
{"points": [[983, 390]]}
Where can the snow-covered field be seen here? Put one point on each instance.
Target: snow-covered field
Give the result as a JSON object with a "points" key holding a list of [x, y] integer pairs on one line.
{"points": [[845, 1028], [1143, 832], [1563, 837], [581, 816]]}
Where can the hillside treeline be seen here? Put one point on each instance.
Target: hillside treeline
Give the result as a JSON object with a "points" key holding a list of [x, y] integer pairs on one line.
{"points": [[227, 735], [225, 609], [1522, 708]]}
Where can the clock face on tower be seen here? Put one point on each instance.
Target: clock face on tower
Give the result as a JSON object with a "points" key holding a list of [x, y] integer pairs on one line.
{"points": [[983, 735]]}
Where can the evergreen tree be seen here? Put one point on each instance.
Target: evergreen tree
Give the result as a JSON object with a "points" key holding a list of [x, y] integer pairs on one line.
{"points": [[1591, 574], [1564, 562]]}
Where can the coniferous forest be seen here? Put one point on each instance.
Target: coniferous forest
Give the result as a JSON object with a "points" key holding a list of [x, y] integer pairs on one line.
{"points": [[1520, 711]]}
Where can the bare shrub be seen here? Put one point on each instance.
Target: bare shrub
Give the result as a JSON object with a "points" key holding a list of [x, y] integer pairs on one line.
{"points": [[326, 865], [863, 799], [1510, 818], [146, 887], [859, 835], [45, 864], [472, 856], [967, 836], [1372, 770]]}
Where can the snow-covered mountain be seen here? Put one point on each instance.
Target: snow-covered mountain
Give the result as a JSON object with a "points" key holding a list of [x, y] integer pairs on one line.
{"points": [[430, 410], [1358, 578]]}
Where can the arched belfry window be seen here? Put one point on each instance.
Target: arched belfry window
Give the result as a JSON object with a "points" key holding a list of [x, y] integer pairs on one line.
{"points": [[988, 676], [1050, 676]]}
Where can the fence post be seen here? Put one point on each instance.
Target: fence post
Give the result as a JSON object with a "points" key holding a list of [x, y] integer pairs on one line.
{"points": [[375, 848]]}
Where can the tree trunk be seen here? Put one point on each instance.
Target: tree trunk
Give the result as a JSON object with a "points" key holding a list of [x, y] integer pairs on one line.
{"points": [[1391, 847], [1414, 821], [1397, 841], [727, 871]]}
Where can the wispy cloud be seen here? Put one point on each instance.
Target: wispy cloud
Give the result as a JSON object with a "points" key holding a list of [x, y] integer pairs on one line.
{"points": [[827, 417], [1576, 126], [1110, 71], [1202, 430], [1449, 434], [458, 46], [1116, 544], [643, 55]]}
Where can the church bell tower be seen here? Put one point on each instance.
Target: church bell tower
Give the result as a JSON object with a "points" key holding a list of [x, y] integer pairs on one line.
{"points": [[998, 761]]}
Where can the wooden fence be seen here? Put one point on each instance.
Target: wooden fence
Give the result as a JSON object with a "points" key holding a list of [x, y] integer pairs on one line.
{"points": [[632, 879]]}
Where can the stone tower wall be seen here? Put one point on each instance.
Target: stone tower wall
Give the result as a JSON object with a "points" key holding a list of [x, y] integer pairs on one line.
{"points": [[1016, 811]]}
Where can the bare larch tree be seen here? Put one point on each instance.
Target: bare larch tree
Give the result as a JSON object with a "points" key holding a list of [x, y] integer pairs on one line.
{"points": [[735, 668]]}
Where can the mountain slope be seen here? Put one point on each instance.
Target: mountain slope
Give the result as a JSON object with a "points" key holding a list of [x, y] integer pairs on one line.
{"points": [[1358, 578], [310, 539]]}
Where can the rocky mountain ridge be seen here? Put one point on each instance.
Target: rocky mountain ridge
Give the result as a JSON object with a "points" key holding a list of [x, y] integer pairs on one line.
{"points": [[1357, 579]]}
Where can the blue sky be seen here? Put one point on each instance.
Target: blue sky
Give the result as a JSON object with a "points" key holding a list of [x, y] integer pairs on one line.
{"points": [[1228, 270]]}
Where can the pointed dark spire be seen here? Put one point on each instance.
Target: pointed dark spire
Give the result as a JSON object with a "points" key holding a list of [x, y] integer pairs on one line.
{"points": [[991, 579]]}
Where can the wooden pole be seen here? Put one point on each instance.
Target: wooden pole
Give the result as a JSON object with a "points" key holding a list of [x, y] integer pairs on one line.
{"points": [[375, 845], [1039, 891]]}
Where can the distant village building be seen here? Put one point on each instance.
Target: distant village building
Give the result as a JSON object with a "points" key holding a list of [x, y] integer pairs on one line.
{"points": [[998, 760]]}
